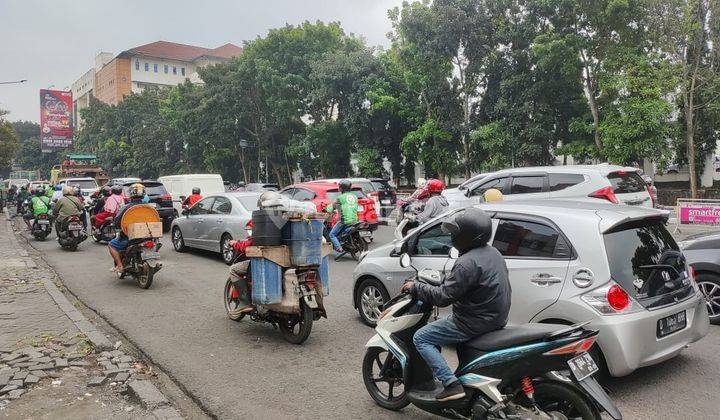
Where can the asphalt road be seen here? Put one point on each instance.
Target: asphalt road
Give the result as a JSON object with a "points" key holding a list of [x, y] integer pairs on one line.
{"points": [[246, 370]]}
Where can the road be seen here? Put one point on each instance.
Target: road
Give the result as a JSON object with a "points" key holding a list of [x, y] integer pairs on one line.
{"points": [[246, 370]]}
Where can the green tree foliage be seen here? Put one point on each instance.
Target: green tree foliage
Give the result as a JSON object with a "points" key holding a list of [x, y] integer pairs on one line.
{"points": [[8, 142]]}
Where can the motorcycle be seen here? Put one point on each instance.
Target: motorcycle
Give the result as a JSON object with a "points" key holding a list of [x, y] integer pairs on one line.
{"points": [[106, 231], [529, 372], [137, 260], [71, 233], [353, 238], [41, 227], [301, 304]]}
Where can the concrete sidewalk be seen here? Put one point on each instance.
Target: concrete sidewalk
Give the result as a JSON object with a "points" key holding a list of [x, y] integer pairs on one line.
{"points": [[55, 363]]}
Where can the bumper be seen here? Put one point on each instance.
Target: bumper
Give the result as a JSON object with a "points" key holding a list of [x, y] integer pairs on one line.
{"points": [[629, 342], [165, 212]]}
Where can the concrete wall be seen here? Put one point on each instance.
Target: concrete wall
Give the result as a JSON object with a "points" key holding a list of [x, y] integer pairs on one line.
{"points": [[112, 82], [140, 76]]}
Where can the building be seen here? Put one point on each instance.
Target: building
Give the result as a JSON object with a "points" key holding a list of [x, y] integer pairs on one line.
{"points": [[151, 65]]}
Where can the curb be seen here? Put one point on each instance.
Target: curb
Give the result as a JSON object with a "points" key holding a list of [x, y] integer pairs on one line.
{"points": [[152, 399]]}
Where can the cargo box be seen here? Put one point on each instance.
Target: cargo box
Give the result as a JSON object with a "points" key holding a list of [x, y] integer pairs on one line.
{"points": [[144, 230], [267, 281]]}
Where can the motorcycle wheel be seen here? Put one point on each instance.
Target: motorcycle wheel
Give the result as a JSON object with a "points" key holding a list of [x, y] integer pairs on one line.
{"points": [[297, 329], [231, 304], [144, 278], [564, 399], [384, 361], [357, 245]]}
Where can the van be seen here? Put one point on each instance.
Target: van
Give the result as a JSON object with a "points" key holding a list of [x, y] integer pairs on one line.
{"points": [[180, 186]]}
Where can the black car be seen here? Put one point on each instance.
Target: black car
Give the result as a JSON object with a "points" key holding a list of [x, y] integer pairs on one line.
{"points": [[386, 195], [159, 196]]}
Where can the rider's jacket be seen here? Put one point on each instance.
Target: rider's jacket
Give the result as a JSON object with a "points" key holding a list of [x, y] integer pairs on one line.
{"points": [[348, 207], [40, 205], [478, 288]]}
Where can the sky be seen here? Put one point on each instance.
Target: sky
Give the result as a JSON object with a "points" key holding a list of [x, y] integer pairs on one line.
{"points": [[52, 43]]}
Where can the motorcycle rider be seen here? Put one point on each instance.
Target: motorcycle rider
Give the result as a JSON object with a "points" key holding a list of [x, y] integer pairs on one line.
{"points": [[193, 198], [118, 244], [110, 205], [57, 194], [22, 195], [347, 207], [39, 204], [68, 205], [477, 287], [435, 205]]}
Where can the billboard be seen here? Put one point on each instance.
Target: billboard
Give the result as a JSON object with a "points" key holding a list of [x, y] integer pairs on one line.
{"points": [[56, 127]]}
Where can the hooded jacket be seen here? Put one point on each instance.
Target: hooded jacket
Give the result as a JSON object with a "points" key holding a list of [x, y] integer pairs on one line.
{"points": [[435, 206], [477, 287]]}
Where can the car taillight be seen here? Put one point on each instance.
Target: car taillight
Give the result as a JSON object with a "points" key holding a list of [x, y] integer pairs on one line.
{"points": [[692, 273], [611, 299], [576, 347], [166, 197], [652, 198], [248, 227], [149, 244], [606, 194], [617, 298]]}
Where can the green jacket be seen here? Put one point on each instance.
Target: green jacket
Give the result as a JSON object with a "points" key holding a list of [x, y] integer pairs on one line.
{"points": [[40, 205], [348, 204]]}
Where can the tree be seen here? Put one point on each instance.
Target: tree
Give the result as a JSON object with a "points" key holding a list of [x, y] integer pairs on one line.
{"points": [[8, 141]]}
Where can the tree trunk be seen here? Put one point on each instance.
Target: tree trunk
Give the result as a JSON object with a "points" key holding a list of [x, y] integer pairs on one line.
{"points": [[592, 101], [690, 145], [244, 166]]}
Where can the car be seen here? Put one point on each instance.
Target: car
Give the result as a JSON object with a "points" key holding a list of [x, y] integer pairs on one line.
{"points": [[385, 196], [38, 184], [122, 181], [457, 196], [87, 185], [323, 193], [373, 189], [180, 186], [592, 183], [703, 254], [569, 262], [159, 197], [214, 221], [259, 186]]}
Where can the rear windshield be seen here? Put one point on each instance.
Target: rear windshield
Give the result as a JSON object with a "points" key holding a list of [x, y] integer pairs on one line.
{"points": [[150, 189], [333, 194], [645, 260], [367, 187], [381, 185], [83, 184], [626, 182]]}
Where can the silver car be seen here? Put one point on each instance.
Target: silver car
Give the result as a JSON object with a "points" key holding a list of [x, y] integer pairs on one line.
{"points": [[569, 262], [214, 221], [703, 255]]}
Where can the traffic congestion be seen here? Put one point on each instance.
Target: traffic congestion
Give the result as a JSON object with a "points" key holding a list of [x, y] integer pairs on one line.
{"points": [[559, 278]]}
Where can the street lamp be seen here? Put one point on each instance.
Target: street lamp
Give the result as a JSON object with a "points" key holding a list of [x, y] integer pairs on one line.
{"points": [[13, 82]]}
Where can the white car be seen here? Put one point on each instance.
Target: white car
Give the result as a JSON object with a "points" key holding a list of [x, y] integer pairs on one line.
{"points": [[593, 183], [180, 187], [87, 185]]}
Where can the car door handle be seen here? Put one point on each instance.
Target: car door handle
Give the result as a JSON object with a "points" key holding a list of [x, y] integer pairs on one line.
{"points": [[544, 279]]}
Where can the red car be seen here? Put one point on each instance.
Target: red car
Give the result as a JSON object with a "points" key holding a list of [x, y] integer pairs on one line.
{"points": [[324, 193]]}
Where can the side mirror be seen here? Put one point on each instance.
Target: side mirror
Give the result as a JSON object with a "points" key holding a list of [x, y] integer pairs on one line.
{"points": [[185, 212], [454, 253], [182, 198], [405, 260], [467, 192]]}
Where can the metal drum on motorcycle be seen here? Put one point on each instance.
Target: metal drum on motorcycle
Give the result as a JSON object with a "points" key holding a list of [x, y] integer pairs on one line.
{"points": [[304, 238], [266, 227]]}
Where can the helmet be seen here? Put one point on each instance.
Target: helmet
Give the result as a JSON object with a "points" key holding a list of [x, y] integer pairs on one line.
{"points": [[344, 185], [58, 187], [492, 195], [268, 196], [68, 190], [137, 191], [106, 191], [77, 190], [421, 182], [435, 186], [196, 190], [469, 229], [116, 189], [39, 192]]}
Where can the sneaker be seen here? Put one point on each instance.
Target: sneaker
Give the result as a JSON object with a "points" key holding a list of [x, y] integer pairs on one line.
{"points": [[453, 391]]}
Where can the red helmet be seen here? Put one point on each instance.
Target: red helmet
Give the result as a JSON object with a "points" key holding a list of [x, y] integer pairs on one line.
{"points": [[435, 186]]}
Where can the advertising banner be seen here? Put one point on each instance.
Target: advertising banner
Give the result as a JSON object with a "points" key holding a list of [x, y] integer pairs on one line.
{"points": [[699, 213], [56, 126]]}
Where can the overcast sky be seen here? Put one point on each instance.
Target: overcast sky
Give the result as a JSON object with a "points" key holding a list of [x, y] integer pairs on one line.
{"points": [[55, 42]]}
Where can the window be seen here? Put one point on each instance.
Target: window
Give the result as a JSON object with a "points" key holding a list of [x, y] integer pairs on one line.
{"points": [[433, 242], [137, 64], [221, 206], [174, 70], [147, 66], [301, 194], [497, 183], [333, 194], [155, 67], [626, 182], [527, 184], [182, 71], [515, 238], [203, 206], [561, 181], [288, 192], [165, 68]]}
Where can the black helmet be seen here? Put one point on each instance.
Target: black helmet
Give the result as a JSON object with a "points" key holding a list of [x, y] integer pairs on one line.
{"points": [[39, 192], [105, 191], [78, 191], [344, 185], [196, 190], [469, 229], [116, 189]]}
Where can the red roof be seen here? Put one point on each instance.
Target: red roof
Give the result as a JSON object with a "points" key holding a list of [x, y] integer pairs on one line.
{"points": [[182, 52]]}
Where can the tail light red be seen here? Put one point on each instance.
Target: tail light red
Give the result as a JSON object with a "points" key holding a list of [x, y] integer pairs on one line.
{"points": [[692, 273], [617, 298], [249, 226], [310, 278], [166, 197], [43, 216], [606, 194], [576, 347], [652, 197], [149, 244]]}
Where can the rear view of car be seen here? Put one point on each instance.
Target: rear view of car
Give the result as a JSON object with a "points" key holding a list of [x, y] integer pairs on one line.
{"points": [[160, 198], [385, 196], [626, 187]]}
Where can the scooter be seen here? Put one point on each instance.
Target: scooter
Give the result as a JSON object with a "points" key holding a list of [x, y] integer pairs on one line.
{"points": [[41, 227], [138, 261], [71, 233], [354, 238], [106, 232], [529, 372]]}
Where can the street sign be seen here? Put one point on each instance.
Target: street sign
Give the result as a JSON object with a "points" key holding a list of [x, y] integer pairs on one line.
{"points": [[698, 212]]}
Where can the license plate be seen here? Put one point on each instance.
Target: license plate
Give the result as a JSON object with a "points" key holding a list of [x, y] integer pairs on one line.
{"points": [[75, 226], [150, 255], [582, 366], [384, 201], [43, 222], [365, 233], [671, 324]]}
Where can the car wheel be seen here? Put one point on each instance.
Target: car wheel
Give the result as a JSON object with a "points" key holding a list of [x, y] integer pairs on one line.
{"points": [[370, 298], [709, 285], [177, 240], [228, 253]]}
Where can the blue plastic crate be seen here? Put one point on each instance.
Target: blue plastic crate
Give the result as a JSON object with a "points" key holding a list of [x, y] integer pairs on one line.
{"points": [[325, 275], [304, 238], [266, 281]]}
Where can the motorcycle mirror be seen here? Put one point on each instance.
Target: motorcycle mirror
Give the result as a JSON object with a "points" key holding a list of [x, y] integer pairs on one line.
{"points": [[454, 253], [405, 260]]}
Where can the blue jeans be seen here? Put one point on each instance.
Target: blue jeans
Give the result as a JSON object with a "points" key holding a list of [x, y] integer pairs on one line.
{"points": [[334, 232], [439, 333]]}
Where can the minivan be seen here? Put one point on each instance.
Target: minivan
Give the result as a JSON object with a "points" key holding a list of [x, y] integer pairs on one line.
{"points": [[180, 186]]}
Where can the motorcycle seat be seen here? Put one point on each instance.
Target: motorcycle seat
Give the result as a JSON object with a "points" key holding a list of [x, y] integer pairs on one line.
{"points": [[512, 335]]}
